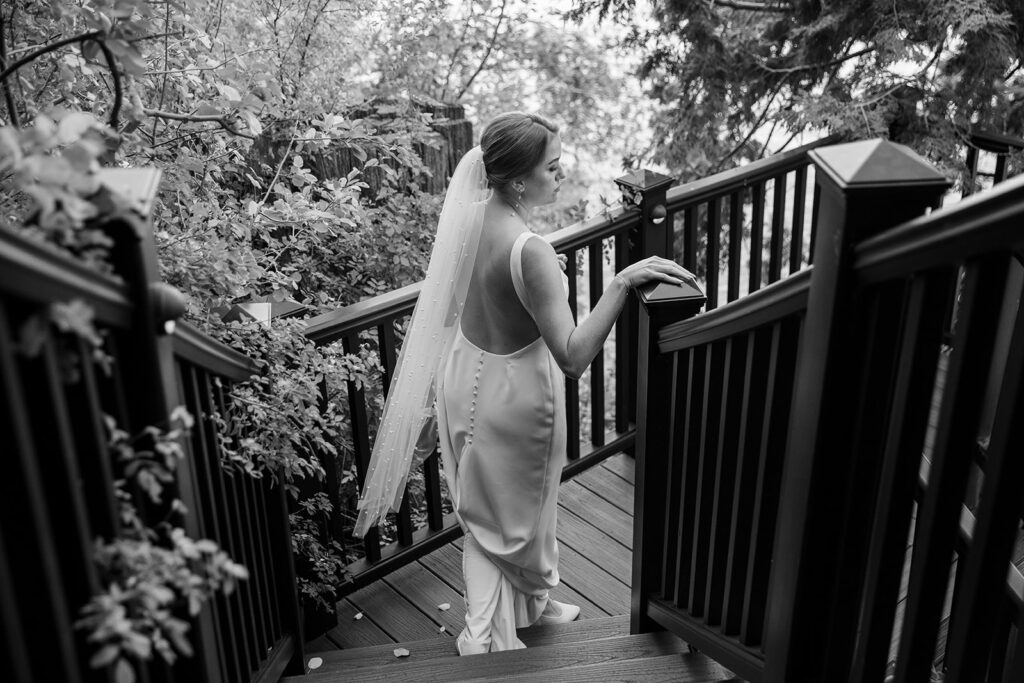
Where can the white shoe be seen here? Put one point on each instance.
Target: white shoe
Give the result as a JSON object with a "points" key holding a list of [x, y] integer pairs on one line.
{"points": [[558, 613]]}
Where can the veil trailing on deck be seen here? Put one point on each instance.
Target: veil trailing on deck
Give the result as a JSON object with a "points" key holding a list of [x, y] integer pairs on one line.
{"points": [[408, 428]]}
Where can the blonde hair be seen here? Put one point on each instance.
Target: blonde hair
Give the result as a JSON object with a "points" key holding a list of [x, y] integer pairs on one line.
{"points": [[512, 145]]}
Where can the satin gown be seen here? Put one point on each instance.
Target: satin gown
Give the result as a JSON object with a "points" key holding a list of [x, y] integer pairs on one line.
{"points": [[501, 424]]}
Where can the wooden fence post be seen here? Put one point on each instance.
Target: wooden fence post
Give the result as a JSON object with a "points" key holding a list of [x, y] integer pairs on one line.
{"points": [[645, 190], [656, 382], [866, 188]]}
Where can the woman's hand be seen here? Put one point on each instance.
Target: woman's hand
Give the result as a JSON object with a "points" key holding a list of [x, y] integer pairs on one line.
{"points": [[562, 261], [656, 269]]}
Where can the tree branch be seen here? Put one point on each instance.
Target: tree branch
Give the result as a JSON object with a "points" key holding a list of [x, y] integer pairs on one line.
{"points": [[752, 6], [91, 35], [490, 46], [822, 65], [753, 128], [8, 97], [199, 118], [118, 90]]}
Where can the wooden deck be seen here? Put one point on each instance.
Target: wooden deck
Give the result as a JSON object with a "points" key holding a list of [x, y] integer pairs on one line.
{"points": [[595, 539]]}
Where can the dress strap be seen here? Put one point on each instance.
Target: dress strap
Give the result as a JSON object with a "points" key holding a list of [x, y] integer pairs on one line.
{"points": [[516, 266]]}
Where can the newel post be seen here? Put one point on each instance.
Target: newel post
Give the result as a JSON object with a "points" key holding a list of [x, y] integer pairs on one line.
{"points": [[657, 376], [644, 190], [146, 357], [810, 630]]}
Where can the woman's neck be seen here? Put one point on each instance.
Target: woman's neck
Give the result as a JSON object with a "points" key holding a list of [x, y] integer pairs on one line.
{"points": [[516, 208]]}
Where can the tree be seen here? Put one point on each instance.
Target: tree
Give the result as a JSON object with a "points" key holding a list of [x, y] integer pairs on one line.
{"points": [[740, 79]]}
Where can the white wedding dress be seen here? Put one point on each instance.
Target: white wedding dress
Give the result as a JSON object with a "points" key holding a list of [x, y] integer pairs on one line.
{"points": [[501, 425]]}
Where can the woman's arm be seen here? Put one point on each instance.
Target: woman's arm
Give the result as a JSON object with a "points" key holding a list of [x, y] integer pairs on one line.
{"points": [[575, 346]]}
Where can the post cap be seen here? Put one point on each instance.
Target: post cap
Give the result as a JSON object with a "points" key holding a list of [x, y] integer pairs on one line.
{"points": [[634, 184], [870, 164]]}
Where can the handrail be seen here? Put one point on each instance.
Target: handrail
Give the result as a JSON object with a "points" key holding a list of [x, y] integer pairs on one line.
{"points": [[40, 274], [775, 301], [951, 233], [740, 177], [206, 352]]}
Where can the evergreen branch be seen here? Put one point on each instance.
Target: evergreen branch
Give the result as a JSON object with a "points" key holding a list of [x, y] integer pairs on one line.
{"points": [[199, 118], [822, 65], [752, 6], [754, 128]]}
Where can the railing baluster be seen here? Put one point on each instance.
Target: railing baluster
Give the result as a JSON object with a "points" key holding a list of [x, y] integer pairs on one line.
{"points": [[965, 382], [432, 491], [206, 453], [815, 208], [785, 335], [724, 475], [595, 254], [257, 581], [1000, 174], [624, 365], [713, 251], [221, 500], [42, 607], [572, 387], [90, 435], [690, 447], [712, 405], [690, 239], [796, 241], [751, 416], [756, 236], [778, 226], [997, 525], [387, 344], [735, 243], [361, 443], [674, 456]]}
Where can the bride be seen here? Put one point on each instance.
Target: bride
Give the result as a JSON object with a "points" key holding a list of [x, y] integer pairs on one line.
{"points": [[482, 371]]}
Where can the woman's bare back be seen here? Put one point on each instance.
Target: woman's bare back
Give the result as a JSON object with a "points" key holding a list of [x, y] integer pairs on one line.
{"points": [[494, 319]]}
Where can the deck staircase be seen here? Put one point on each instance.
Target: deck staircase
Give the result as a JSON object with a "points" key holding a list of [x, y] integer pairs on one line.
{"points": [[585, 650]]}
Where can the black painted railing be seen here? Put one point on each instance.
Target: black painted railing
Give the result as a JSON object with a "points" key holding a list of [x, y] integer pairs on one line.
{"points": [[57, 495], [800, 434]]}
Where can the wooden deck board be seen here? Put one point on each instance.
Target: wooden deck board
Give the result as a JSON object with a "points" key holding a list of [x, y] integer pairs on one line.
{"points": [[594, 533]]}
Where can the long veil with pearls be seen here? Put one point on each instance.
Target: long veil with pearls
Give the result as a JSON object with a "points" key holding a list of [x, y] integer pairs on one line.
{"points": [[408, 427]]}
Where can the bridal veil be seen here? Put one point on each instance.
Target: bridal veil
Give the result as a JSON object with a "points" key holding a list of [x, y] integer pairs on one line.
{"points": [[407, 431]]}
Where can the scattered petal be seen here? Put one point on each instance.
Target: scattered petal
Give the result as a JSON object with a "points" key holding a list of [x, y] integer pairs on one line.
{"points": [[442, 629], [401, 652], [315, 662], [359, 615], [444, 606]]}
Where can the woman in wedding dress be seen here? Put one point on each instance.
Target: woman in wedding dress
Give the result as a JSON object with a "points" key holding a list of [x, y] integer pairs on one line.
{"points": [[494, 351]]}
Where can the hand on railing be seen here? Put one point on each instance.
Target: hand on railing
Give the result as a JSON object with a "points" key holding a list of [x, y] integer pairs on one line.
{"points": [[655, 269]]}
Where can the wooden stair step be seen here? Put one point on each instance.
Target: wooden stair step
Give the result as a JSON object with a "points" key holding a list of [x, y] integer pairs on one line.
{"points": [[560, 657], [438, 648], [674, 668]]}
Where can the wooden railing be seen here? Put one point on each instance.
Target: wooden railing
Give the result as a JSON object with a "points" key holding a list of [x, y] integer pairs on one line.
{"points": [[676, 223], [57, 494], [767, 213], [801, 433]]}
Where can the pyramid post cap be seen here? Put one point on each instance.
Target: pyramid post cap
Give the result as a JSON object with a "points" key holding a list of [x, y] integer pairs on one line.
{"points": [[878, 163]]}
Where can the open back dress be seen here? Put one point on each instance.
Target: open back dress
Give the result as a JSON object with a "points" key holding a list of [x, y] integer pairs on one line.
{"points": [[501, 426]]}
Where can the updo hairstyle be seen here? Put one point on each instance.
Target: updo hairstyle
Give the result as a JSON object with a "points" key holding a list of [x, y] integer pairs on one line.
{"points": [[512, 145]]}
